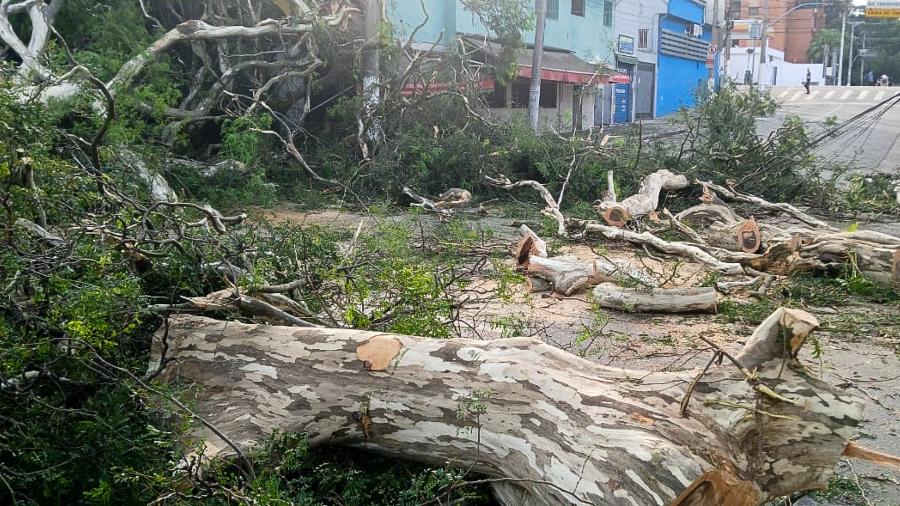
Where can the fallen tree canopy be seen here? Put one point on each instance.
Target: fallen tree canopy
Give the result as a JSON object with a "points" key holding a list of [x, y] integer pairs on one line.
{"points": [[545, 426]]}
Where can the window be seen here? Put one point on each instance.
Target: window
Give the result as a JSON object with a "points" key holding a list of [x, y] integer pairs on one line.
{"points": [[644, 38], [497, 97], [521, 88], [578, 8], [553, 9], [753, 11], [549, 90], [607, 13]]}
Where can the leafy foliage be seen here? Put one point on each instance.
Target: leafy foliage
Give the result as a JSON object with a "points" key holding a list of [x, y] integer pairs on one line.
{"points": [[77, 422]]}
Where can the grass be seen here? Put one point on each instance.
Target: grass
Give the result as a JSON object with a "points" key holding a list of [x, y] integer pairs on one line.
{"points": [[842, 489], [748, 314]]}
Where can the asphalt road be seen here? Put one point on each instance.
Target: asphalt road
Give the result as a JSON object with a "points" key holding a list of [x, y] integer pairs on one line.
{"points": [[874, 146]]}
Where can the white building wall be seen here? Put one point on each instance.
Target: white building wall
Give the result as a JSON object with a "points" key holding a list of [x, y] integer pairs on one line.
{"points": [[634, 15], [787, 73]]}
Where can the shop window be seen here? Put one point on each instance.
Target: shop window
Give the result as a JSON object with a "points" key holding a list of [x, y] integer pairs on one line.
{"points": [[496, 99], [522, 87], [549, 92]]}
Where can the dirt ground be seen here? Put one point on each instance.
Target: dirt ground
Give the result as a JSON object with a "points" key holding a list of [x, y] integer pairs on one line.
{"points": [[860, 343]]}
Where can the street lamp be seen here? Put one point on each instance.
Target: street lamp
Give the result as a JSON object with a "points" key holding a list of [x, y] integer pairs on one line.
{"points": [[763, 57], [850, 55]]}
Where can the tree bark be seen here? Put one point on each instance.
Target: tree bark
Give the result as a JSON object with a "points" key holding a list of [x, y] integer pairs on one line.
{"points": [[562, 429], [655, 300], [644, 202]]}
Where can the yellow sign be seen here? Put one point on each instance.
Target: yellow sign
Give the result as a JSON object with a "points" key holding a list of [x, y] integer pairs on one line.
{"points": [[882, 13]]}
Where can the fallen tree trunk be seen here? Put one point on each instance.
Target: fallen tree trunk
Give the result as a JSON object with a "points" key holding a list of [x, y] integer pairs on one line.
{"points": [[644, 202], [722, 228], [561, 429], [655, 300], [568, 274], [870, 253]]}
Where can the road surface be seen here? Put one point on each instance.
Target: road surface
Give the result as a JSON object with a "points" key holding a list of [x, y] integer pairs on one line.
{"points": [[873, 147]]}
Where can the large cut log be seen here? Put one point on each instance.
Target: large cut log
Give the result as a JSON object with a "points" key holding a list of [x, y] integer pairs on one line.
{"points": [[791, 249], [720, 227], [568, 274], [645, 201], [870, 253], [561, 428], [655, 300]]}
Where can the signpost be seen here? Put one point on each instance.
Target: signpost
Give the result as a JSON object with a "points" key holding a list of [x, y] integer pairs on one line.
{"points": [[883, 9]]}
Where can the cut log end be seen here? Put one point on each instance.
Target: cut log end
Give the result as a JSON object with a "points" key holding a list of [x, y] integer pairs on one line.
{"points": [[616, 216], [719, 488], [749, 239], [523, 251]]}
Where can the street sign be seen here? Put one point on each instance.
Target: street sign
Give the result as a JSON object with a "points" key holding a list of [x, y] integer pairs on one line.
{"points": [[626, 45], [883, 9], [747, 29]]}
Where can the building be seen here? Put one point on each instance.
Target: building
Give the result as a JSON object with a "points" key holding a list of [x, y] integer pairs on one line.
{"points": [[684, 58], [636, 51], [791, 33], [744, 62], [578, 54]]}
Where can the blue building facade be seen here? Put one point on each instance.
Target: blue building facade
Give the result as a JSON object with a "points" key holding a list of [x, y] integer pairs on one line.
{"points": [[684, 42]]}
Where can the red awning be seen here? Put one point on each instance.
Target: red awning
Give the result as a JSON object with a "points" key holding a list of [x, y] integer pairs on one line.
{"points": [[620, 79], [431, 88], [564, 76]]}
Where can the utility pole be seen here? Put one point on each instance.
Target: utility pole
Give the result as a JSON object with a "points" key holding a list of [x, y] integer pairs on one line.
{"points": [[764, 45], [729, 15], [840, 69], [862, 63], [371, 66], [534, 95], [715, 40], [850, 54]]}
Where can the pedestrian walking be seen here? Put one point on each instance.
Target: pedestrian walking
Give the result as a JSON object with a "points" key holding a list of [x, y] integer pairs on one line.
{"points": [[870, 78], [808, 81]]}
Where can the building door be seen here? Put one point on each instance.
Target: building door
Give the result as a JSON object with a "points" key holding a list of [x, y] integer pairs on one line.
{"points": [[577, 104], [644, 80], [622, 113]]}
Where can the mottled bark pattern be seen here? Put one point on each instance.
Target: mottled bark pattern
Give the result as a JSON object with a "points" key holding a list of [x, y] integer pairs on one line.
{"points": [[562, 429]]}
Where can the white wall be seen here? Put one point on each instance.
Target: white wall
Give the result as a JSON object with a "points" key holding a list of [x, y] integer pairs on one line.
{"points": [[788, 73], [633, 15]]}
